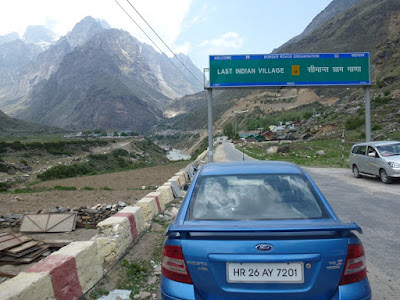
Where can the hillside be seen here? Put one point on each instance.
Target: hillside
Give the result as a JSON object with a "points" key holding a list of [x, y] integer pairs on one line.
{"points": [[372, 26], [332, 10], [369, 26], [14, 127]]}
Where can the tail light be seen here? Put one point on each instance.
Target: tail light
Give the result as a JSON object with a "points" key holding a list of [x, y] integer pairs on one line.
{"points": [[355, 269], [173, 265]]}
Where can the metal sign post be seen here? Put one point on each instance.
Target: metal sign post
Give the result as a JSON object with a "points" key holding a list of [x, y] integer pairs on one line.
{"points": [[367, 114], [210, 126]]}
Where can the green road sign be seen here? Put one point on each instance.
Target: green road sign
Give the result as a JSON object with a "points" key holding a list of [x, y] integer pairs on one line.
{"points": [[299, 69]]}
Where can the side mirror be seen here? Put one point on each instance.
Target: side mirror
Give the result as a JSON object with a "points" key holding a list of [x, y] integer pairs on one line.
{"points": [[372, 154]]}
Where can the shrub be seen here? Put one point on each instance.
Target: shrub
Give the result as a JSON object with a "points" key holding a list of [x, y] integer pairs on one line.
{"points": [[64, 188], [120, 152], [386, 93], [60, 172], [354, 122], [4, 168], [376, 127], [17, 146], [4, 186], [88, 188], [381, 101]]}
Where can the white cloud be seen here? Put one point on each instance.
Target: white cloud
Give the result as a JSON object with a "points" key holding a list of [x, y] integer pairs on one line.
{"points": [[227, 41], [166, 17], [183, 48], [201, 17]]}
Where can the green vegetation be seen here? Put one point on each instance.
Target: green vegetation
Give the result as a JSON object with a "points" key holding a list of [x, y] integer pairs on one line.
{"points": [[135, 275], [376, 127], [300, 113], [97, 293], [54, 147], [354, 122], [378, 101], [303, 153], [202, 147], [64, 188], [88, 188], [4, 186], [118, 160], [106, 188], [229, 130]]}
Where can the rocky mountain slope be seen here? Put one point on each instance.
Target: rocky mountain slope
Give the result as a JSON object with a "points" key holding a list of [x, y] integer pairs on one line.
{"points": [[93, 77], [332, 10], [14, 127]]}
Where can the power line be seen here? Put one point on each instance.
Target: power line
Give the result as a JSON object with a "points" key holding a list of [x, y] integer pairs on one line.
{"points": [[152, 41], [163, 42]]}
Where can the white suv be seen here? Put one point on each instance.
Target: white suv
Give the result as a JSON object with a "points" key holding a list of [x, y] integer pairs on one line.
{"points": [[376, 159]]}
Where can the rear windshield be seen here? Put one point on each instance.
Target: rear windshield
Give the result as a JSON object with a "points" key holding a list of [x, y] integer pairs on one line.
{"points": [[255, 197]]}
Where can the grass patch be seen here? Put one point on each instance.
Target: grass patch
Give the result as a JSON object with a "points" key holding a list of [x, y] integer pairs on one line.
{"points": [[106, 188], [30, 190], [134, 275], [64, 188], [97, 293], [303, 153], [88, 188]]}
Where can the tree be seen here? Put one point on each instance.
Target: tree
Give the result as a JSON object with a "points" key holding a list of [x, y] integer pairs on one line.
{"points": [[229, 130]]}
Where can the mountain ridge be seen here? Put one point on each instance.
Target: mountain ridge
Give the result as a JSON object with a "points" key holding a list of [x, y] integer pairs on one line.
{"points": [[144, 76]]}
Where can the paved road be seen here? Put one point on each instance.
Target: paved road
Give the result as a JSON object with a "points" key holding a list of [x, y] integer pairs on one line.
{"points": [[371, 204], [227, 152]]}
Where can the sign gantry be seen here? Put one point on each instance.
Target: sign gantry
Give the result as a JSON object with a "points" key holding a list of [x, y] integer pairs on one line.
{"points": [[289, 70]]}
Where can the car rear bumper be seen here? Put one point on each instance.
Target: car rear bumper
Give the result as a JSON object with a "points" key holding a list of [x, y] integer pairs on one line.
{"points": [[172, 290], [356, 291]]}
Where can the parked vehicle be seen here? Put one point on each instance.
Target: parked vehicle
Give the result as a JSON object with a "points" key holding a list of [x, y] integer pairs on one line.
{"points": [[381, 159], [260, 230]]}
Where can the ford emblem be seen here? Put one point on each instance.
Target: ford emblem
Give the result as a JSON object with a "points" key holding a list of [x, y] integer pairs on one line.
{"points": [[264, 247]]}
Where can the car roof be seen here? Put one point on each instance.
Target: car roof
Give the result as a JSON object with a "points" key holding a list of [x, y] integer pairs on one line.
{"points": [[250, 167], [376, 143]]}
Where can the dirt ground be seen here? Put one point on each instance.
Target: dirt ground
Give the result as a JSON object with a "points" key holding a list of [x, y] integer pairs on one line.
{"points": [[121, 186], [107, 188]]}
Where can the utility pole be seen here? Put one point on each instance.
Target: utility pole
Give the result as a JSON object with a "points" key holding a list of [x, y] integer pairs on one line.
{"points": [[236, 113]]}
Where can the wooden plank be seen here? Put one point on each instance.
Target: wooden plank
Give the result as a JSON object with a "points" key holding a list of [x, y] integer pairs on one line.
{"points": [[7, 275], [14, 242], [23, 253], [42, 249], [23, 247], [57, 243], [9, 236], [24, 260]]}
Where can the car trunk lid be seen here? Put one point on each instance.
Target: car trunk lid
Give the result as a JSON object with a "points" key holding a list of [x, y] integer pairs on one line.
{"points": [[292, 260]]}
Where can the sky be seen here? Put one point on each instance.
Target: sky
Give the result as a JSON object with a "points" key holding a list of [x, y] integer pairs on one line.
{"points": [[197, 28]]}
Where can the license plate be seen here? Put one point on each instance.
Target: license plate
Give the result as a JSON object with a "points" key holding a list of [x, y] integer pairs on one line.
{"points": [[265, 272]]}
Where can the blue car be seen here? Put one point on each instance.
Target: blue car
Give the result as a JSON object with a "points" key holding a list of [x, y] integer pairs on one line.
{"points": [[260, 230]]}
